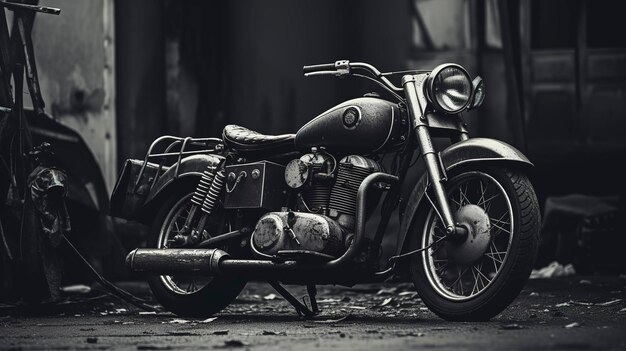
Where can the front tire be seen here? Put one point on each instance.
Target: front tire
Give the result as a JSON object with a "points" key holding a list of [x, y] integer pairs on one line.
{"points": [[477, 278], [188, 296]]}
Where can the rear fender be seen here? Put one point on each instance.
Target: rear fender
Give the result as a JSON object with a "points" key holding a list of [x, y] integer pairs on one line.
{"points": [[136, 200], [471, 151]]}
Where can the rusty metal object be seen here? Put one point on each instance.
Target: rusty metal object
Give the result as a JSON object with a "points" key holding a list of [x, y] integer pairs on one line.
{"points": [[277, 231], [172, 261], [48, 189]]}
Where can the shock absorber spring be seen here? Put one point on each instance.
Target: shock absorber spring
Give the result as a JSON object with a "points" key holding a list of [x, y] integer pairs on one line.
{"points": [[214, 191], [203, 187]]}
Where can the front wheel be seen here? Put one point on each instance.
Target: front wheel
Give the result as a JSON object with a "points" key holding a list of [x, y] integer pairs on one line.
{"points": [[476, 277], [190, 295]]}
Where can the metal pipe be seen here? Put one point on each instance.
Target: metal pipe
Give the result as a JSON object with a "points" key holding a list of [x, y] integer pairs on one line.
{"points": [[359, 228], [222, 237], [172, 261], [431, 159]]}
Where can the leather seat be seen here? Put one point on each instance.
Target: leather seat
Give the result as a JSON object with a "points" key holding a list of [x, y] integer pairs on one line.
{"points": [[244, 139]]}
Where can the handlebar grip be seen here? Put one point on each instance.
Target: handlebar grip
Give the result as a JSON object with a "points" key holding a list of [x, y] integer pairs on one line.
{"points": [[322, 67]]}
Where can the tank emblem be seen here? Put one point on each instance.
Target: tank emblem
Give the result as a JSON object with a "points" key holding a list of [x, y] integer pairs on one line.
{"points": [[351, 117]]}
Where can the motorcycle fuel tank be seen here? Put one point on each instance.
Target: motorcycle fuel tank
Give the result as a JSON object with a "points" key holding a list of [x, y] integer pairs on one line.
{"points": [[364, 124]]}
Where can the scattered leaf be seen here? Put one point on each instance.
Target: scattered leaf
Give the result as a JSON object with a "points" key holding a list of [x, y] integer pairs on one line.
{"points": [[573, 325], [208, 320], [386, 302], [269, 297], [387, 291]]}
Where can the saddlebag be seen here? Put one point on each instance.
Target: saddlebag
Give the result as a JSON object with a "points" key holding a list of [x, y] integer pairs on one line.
{"points": [[132, 188]]}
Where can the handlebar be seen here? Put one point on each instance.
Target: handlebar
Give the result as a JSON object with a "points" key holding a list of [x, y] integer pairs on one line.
{"points": [[318, 68], [344, 67]]}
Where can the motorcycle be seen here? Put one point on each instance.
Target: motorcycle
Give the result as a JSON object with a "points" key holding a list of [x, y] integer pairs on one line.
{"points": [[292, 208]]}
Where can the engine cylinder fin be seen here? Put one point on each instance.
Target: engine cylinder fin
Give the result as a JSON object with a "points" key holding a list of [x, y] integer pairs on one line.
{"points": [[318, 195], [344, 191]]}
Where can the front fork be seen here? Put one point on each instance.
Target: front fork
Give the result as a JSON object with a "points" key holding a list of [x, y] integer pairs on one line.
{"points": [[416, 101]]}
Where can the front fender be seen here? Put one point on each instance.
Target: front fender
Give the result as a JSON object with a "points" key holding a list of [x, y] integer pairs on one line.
{"points": [[471, 151]]}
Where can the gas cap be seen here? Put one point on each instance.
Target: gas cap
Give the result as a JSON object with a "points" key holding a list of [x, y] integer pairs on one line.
{"points": [[351, 117]]}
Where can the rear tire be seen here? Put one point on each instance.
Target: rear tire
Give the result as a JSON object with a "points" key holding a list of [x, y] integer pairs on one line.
{"points": [[500, 270], [188, 299]]}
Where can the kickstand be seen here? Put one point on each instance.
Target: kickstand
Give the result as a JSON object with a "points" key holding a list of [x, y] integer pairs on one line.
{"points": [[302, 309]]}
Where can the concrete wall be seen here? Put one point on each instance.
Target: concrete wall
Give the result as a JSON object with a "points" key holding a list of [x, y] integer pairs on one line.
{"points": [[76, 62]]}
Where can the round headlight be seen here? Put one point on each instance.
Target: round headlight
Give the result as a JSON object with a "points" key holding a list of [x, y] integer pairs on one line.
{"points": [[449, 88]]}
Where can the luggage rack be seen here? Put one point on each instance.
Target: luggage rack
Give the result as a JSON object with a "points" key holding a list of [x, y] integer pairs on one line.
{"points": [[176, 147]]}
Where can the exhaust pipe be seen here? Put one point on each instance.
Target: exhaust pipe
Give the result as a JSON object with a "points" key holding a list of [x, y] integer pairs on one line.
{"points": [[203, 261], [172, 261]]}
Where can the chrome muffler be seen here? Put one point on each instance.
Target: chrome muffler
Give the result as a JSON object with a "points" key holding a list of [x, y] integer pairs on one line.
{"points": [[172, 261]]}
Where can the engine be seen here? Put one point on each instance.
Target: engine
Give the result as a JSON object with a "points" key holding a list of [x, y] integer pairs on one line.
{"points": [[321, 217]]}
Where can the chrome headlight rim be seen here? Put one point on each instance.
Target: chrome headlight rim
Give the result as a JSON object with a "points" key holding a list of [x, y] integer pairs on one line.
{"points": [[478, 85], [430, 92]]}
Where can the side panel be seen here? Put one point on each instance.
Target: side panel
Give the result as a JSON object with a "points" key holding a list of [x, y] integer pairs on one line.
{"points": [[475, 150]]}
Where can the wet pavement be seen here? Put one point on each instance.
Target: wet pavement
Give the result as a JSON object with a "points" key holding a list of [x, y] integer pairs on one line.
{"points": [[567, 313]]}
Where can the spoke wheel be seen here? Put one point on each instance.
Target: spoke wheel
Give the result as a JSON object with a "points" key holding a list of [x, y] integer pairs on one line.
{"points": [[172, 226], [460, 271], [191, 295], [473, 278]]}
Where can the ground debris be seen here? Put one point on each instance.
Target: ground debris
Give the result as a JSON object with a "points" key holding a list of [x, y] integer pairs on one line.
{"points": [[328, 301], [572, 325], [334, 320], [554, 269], [271, 332], [609, 303], [409, 333], [176, 321], [154, 347], [220, 332], [388, 291], [92, 340], [269, 297], [208, 320], [231, 344], [511, 326]]}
